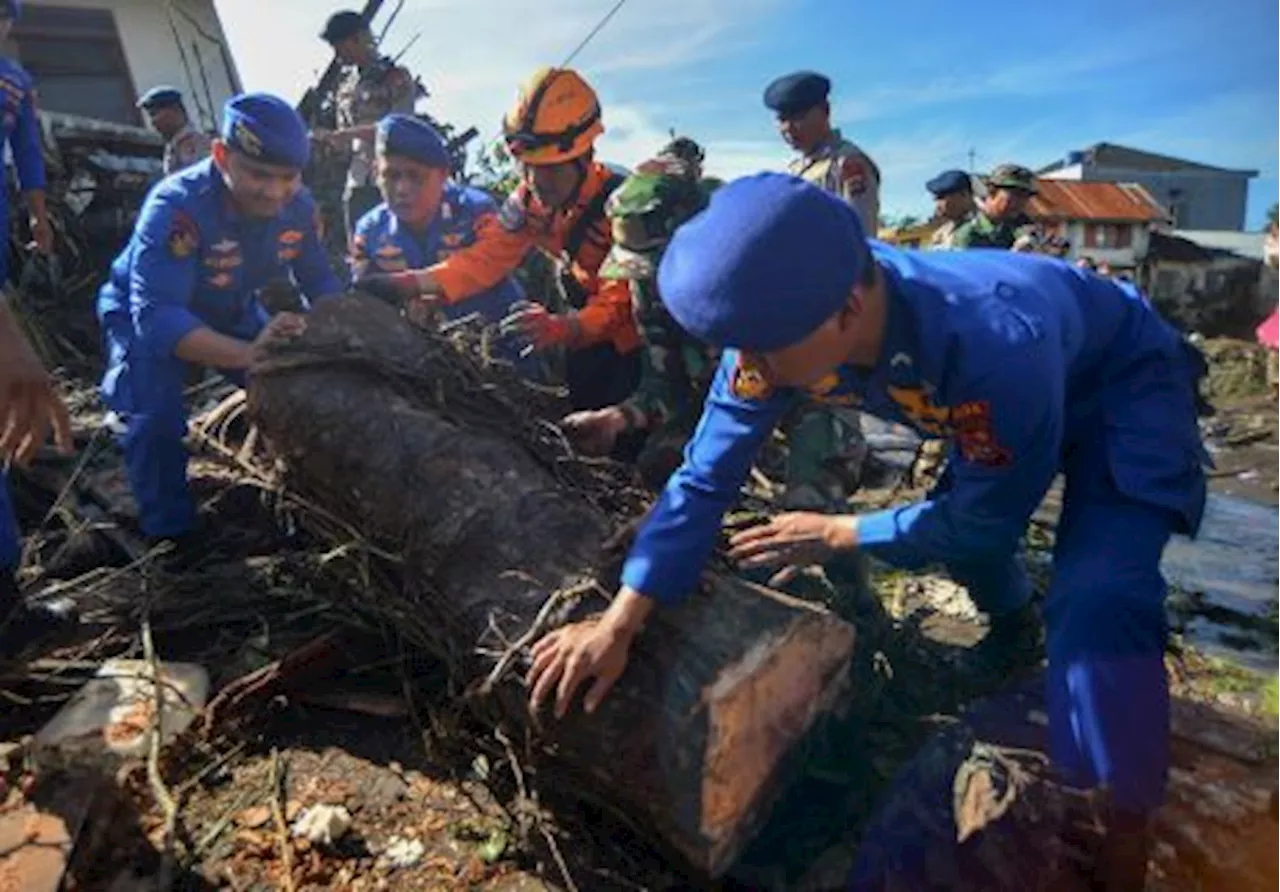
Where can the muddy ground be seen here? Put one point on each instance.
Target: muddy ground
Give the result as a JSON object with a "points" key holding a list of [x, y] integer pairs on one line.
{"points": [[437, 803]]}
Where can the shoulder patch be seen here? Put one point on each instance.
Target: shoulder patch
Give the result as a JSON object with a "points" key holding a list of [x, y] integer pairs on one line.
{"points": [[854, 174], [513, 215], [976, 437], [748, 381], [184, 235]]}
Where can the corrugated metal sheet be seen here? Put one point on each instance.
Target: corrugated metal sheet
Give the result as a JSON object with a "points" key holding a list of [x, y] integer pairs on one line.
{"points": [[1103, 202], [1246, 244]]}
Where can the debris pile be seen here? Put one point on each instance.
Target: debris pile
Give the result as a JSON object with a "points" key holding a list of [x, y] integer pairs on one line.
{"points": [[98, 174]]}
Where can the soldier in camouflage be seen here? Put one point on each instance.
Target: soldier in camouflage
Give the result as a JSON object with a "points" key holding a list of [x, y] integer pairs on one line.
{"points": [[374, 87], [1002, 221], [643, 212]]}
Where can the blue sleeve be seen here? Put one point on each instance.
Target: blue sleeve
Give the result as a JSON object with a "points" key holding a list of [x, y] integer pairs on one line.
{"points": [[162, 275], [358, 252], [1007, 420], [25, 142], [311, 269], [681, 529]]}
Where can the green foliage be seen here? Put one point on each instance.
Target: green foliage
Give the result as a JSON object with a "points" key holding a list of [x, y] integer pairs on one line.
{"points": [[496, 171]]}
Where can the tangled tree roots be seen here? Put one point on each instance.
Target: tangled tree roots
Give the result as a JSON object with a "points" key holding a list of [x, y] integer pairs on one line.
{"points": [[493, 533]]}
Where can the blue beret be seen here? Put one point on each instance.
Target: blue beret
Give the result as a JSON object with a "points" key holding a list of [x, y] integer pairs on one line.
{"points": [[949, 181], [13, 8], [770, 259], [798, 92], [158, 97], [265, 128], [411, 138], [342, 25]]}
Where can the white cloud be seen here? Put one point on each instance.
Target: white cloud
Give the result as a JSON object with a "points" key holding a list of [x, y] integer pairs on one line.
{"points": [[472, 57]]}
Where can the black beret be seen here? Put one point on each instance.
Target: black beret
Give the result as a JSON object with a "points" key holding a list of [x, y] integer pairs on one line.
{"points": [[798, 92], [342, 25], [949, 181]]}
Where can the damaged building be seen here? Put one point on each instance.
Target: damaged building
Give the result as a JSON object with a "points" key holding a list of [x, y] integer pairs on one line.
{"points": [[90, 60]]}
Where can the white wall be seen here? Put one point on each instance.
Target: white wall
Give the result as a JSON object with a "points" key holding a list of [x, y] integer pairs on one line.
{"points": [[1070, 172], [1130, 256], [153, 55]]}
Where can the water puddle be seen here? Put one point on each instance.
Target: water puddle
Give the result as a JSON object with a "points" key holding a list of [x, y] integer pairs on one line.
{"points": [[1226, 579], [1229, 575]]}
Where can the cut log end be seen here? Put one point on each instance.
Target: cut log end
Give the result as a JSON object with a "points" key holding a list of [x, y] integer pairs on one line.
{"points": [[759, 708]]}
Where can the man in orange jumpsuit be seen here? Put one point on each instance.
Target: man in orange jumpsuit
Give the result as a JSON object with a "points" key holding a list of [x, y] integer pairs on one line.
{"points": [[558, 208]]}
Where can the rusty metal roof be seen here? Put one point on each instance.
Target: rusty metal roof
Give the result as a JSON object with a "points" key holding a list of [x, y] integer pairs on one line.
{"points": [[1109, 202]]}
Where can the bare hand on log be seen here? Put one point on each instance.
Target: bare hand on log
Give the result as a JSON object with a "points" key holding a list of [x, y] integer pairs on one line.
{"points": [[793, 540], [29, 403], [41, 234], [594, 431], [595, 648], [282, 327]]}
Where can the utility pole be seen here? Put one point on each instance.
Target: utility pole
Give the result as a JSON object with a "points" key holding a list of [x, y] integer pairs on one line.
{"points": [[972, 155]]}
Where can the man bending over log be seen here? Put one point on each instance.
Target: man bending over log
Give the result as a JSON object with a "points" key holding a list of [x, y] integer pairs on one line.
{"points": [[185, 291], [1031, 367], [558, 208], [423, 218]]}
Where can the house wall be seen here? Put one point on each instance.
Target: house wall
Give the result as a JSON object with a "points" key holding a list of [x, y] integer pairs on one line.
{"points": [[1225, 295], [1206, 200], [1124, 258], [154, 57]]}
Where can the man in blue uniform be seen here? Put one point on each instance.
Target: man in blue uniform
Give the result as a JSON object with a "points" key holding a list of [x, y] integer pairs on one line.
{"points": [[30, 407], [423, 218], [185, 290], [27, 397], [1030, 366]]}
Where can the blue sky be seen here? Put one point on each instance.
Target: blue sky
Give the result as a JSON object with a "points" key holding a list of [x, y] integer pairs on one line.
{"points": [[916, 84]]}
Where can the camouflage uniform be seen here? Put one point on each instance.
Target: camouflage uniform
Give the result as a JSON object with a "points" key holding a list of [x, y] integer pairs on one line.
{"points": [[675, 370], [366, 96], [825, 445], [1018, 233]]}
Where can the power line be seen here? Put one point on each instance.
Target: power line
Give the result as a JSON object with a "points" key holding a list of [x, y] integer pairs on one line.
{"points": [[593, 32], [582, 44]]}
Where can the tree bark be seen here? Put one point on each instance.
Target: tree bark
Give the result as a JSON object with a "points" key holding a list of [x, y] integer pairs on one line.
{"points": [[383, 426]]}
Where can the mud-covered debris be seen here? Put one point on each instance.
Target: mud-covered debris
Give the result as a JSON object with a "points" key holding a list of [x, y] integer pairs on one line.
{"points": [[401, 853], [323, 823]]}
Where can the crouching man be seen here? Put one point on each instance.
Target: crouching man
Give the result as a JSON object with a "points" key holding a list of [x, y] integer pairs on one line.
{"points": [[422, 220], [1030, 367], [184, 291]]}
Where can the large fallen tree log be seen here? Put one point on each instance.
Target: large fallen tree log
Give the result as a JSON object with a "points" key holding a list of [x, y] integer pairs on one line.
{"points": [[406, 441]]}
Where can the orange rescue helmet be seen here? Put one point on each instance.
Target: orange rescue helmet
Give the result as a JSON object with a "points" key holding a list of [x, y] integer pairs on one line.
{"points": [[556, 118]]}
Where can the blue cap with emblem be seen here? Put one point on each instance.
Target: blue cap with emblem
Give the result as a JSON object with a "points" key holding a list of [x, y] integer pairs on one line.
{"points": [[770, 259], [792, 94], [160, 97], [265, 128], [411, 138], [949, 181]]}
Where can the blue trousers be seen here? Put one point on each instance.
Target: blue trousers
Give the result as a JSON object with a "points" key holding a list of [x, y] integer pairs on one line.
{"points": [[10, 540], [1132, 463], [146, 392]]}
